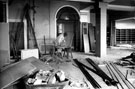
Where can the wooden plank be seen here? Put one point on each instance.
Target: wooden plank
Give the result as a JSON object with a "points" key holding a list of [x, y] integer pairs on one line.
{"points": [[15, 72], [4, 44], [86, 43], [81, 38], [85, 37], [92, 38], [44, 44]]}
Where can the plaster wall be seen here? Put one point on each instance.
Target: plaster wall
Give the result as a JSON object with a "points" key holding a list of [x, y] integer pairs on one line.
{"points": [[125, 24], [4, 44], [41, 16], [45, 16], [55, 6]]}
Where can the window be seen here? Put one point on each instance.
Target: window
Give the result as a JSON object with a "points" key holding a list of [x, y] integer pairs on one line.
{"points": [[125, 36]]}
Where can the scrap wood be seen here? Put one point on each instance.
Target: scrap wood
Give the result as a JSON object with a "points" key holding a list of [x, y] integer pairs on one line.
{"points": [[130, 66], [87, 75], [101, 73], [124, 79], [46, 58], [51, 58], [125, 63], [128, 60], [132, 72], [58, 59], [45, 44], [113, 74], [39, 64], [15, 72]]}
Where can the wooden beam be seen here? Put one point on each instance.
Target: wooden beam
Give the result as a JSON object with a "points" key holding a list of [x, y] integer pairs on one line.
{"points": [[15, 72]]}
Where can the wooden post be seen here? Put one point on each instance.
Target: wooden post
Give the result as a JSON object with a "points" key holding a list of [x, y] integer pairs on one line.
{"points": [[25, 35]]}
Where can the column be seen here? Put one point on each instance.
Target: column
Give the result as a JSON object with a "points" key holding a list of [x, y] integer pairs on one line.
{"points": [[101, 29], [25, 35]]}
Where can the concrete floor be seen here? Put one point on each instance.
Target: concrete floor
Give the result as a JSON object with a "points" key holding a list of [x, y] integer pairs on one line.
{"points": [[75, 75], [73, 72], [113, 54]]}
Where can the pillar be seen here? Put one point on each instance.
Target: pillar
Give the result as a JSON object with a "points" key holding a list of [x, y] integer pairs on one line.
{"points": [[101, 29], [25, 35]]}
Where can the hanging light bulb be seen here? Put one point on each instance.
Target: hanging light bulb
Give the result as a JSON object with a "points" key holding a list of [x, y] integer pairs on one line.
{"points": [[66, 18]]}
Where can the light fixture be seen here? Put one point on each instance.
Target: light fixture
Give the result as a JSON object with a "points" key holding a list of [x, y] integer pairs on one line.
{"points": [[66, 18]]}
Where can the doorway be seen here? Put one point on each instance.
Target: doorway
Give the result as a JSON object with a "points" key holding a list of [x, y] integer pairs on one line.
{"points": [[68, 20], [16, 38]]}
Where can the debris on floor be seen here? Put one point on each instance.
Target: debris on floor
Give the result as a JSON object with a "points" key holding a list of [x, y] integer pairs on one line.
{"points": [[63, 73], [54, 59], [128, 60], [54, 79], [97, 71], [14, 72], [123, 81], [78, 84], [47, 77]]}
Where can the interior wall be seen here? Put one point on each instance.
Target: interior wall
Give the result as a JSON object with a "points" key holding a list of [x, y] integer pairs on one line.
{"points": [[85, 16], [4, 44], [55, 6], [41, 17], [45, 21], [16, 34], [125, 24]]}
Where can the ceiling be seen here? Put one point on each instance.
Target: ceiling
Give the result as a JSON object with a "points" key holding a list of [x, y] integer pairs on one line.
{"points": [[123, 2], [122, 10], [127, 5], [117, 9], [122, 5]]}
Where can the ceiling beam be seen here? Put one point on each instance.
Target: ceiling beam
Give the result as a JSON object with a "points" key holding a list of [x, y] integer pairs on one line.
{"points": [[126, 19], [121, 7]]}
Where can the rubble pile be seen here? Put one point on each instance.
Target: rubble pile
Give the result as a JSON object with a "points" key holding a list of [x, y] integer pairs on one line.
{"points": [[47, 77]]}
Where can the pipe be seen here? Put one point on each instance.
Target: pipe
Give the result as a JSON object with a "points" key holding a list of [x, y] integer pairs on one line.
{"points": [[123, 79], [87, 75], [102, 74], [109, 69]]}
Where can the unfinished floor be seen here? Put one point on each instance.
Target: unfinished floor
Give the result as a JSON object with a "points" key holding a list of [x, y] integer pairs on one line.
{"points": [[113, 55], [74, 74]]}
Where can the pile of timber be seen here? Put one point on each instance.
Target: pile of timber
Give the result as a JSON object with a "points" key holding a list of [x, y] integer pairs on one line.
{"points": [[109, 81], [116, 74]]}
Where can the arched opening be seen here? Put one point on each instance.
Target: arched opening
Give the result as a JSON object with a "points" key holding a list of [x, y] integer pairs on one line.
{"points": [[68, 20]]}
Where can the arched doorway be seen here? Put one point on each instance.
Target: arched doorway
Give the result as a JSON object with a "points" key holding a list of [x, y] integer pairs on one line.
{"points": [[68, 20]]}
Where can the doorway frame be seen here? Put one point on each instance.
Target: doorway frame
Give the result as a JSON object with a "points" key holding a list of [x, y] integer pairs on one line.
{"points": [[59, 10], [25, 30]]}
